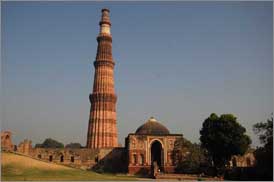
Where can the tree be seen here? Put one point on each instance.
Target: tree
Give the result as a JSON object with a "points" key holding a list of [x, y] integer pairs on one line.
{"points": [[189, 158], [223, 137], [265, 132], [50, 143], [264, 154], [38, 145], [181, 148], [73, 146]]}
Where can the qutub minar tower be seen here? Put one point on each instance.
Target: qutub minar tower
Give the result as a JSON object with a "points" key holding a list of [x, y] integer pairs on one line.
{"points": [[102, 129]]}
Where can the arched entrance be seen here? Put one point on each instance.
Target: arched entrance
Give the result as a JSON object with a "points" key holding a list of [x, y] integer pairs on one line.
{"points": [[50, 158], [156, 151], [62, 158]]}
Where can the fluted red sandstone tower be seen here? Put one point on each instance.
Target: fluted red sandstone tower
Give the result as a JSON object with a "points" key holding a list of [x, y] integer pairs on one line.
{"points": [[102, 129]]}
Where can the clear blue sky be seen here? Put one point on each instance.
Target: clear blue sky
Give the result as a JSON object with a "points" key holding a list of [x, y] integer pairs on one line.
{"points": [[176, 61]]}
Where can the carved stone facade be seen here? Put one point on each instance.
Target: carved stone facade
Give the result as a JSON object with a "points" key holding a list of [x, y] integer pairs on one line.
{"points": [[102, 129], [151, 142]]}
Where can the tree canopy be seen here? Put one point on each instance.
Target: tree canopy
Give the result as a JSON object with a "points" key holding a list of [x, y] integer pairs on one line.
{"points": [[223, 137], [264, 154], [50, 143], [265, 131], [189, 157]]}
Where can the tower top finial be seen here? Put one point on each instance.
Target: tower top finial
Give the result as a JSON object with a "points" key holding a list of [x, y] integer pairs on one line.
{"points": [[105, 22], [105, 17], [152, 119]]}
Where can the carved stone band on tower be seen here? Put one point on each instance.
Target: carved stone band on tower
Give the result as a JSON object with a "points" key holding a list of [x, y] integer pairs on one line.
{"points": [[102, 129]]}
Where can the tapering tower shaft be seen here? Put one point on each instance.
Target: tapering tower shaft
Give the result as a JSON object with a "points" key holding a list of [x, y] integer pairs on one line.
{"points": [[102, 129]]}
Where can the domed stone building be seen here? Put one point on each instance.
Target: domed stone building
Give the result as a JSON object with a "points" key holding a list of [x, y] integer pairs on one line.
{"points": [[151, 143]]}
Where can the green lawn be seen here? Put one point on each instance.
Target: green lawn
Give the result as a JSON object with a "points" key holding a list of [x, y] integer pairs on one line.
{"points": [[17, 168]]}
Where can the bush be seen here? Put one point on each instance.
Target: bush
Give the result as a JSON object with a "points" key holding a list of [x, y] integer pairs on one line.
{"points": [[50, 143]]}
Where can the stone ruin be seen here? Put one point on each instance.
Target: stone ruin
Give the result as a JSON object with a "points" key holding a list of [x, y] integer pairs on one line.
{"points": [[118, 159], [6, 143], [83, 158]]}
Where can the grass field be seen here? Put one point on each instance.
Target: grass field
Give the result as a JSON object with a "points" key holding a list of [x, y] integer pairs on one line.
{"points": [[16, 168]]}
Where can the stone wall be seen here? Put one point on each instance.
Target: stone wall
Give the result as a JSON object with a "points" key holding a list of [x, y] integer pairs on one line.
{"points": [[113, 161], [83, 158], [25, 147], [79, 158], [107, 159], [247, 160]]}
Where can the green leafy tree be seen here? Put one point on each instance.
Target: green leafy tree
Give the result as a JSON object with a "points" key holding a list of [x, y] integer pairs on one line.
{"points": [[50, 143], [74, 145], [264, 154], [223, 137]]}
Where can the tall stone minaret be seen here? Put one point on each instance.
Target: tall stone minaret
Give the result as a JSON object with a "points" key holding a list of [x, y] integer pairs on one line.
{"points": [[102, 129]]}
